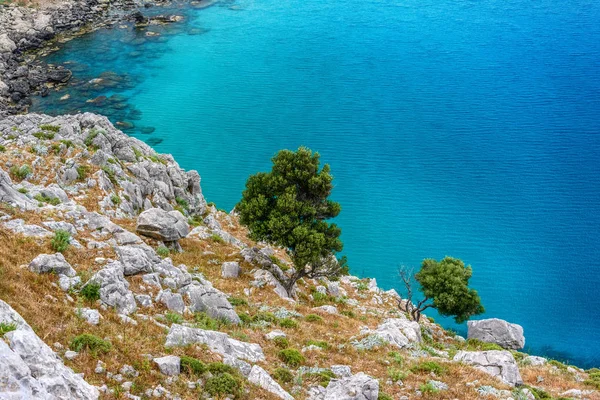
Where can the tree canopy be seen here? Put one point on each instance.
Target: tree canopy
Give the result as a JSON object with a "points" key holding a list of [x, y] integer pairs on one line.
{"points": [[445, 286], [289, 207]]}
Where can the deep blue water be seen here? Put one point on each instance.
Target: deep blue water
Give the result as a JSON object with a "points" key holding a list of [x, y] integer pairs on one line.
{"points": [[462, 128]]}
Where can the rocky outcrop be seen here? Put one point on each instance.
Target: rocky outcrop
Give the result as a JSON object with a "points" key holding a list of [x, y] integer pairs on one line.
{"points": [[500, 364], [168, 365], [399, 332], [261, 378], [55, 263], [494, 330], [205, 298], [355, 387], [9, 195], [166, 226], [218, 342], [131, 169], [114, 289], [31, 370]]}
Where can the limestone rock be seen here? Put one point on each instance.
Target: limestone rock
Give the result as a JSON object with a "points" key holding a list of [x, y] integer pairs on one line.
{"points": [[230, 269], [169, 365], [31, 370], [534, 361], [356, 387], [168, 226], [91, 316], [500, 364], [114, 289], [218, 342], [399, 332], [137, 259], [9, 195], [205, 298], [173, 301], [56, 263], [494, 330], [261, 378]]}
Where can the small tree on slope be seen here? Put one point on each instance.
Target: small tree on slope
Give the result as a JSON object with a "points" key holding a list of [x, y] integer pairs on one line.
{"points": [[445, 286], [288, 207]]}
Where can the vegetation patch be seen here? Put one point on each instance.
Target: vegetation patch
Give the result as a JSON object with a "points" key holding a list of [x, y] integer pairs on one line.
{"points": [[6, 327], [283, 375], [163, 251], [281, 342], [288, 323], [313, 318], [60, 241], [43, 198], [224, 384], [91, 343], [20, 173], [428, 367], [291, 357], [91, 292], [192, 366]]}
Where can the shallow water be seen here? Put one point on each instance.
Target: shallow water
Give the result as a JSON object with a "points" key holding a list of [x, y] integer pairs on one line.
{"points": [[468, 129]]}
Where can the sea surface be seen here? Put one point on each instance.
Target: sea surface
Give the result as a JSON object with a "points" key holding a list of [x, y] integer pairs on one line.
{"points": [[461, 128]]}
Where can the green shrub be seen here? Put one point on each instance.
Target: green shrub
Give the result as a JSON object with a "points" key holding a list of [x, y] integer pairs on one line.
{"points": [[203, 321], [224, 384], [67, 143], [396, 357], [91, 292], [21, 172], [427, 367], [288, 323], [265, 316], [44, 135], [319, 343], [89, 342], [313, 318], [348, 313], [281, 342], [89, 140], [396, 374], [6, 327], [478, 345], [182, 202], [23, 190], [237, 301], [220, 368], [163, 251], [384, 396], [43, 198], [82, 172], [558, 365], [111, 175], [291, 357], [192, 366], [428, 388], [50, 128], [60, 241], [116, 200], [245, 318], [174, 318], [324, 377], [362, 286], [283, 375], [216, 238], [2, 149]]}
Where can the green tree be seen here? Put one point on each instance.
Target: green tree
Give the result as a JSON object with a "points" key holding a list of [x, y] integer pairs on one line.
{"points": [[445, 287], [288, 207]]}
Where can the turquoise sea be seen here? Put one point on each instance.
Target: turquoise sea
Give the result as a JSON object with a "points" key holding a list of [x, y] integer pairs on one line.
{"points": [[462, 128]]}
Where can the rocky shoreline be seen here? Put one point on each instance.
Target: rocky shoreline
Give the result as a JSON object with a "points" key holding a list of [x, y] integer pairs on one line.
{"points": [[26, 33]]}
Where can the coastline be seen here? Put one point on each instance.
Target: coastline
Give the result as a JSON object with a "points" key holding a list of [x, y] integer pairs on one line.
{"points": [[27, 33]]}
